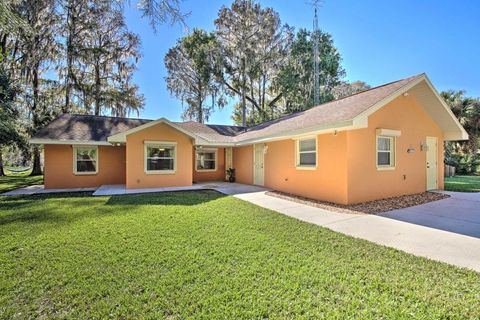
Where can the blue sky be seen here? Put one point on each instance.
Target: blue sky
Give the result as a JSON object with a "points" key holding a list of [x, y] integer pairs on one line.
{"points": [[380, 41]]}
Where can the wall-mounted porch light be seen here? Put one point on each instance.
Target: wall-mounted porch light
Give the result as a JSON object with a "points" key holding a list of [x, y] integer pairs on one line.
{"points": [[423, 146]]}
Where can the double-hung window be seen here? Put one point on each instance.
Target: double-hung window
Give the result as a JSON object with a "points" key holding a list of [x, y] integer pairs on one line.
{"points": [[160, 157], [206, 160], [85, 160], [307, 153], [385, 152]]}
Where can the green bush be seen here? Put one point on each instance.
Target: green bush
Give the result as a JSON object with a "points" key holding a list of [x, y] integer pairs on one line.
{"points": [[464, 163]]}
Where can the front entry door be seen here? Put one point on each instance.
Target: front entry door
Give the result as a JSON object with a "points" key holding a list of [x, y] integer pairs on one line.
{"points": [[432, 163], [258, 160]]}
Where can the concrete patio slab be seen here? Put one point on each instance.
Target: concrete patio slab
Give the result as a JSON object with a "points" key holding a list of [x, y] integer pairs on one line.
{"points": [[222, 187], [119, 189], [453, 248]]}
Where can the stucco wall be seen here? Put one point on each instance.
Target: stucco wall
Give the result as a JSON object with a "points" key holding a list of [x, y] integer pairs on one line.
{"points": [[326, 182], [217, 175], [136, 176], [365, 182], [243, 164], [58, 170]]}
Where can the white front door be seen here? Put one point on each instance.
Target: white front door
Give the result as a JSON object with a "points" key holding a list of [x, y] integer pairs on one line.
{"points": [[432, 163], [258, 159]]}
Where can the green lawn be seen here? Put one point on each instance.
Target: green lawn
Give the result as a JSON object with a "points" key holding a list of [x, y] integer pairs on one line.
{"points": [[15, 180], [463, 183], [201, 255]]}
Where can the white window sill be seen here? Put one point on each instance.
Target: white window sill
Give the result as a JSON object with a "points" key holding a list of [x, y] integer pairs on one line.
{"points": [[306, 167], [85, 173], [160, 172], [205, 170], [385, 168]]}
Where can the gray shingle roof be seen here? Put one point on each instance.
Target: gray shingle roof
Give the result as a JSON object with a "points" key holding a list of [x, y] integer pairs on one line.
{"points": [[99, 128], [86, 127]]}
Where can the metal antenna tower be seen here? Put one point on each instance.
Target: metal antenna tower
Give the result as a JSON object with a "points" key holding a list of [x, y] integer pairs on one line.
{"points": [[316, 55]]}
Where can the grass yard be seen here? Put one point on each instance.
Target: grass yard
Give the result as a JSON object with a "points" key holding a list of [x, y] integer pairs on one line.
{"points": [[463, 183], [202, 255], [15, 180]]}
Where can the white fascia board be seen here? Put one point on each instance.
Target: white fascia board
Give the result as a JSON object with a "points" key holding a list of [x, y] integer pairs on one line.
{"points": [[69, 142], [214, 144], [455, 136]]}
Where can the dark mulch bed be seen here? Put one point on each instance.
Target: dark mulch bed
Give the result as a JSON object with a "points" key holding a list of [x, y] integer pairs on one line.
{"points": [[371, 207]]}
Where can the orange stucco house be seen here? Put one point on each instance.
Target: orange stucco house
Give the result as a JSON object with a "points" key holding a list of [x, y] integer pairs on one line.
{"points": [[383, 142]]}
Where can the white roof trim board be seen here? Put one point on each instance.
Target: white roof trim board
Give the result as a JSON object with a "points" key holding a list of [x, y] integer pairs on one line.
{"points": [[70, 142]]}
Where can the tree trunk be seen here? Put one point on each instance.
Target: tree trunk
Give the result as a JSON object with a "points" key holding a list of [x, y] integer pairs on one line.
{"points": [[244, 102], [264, 105], [37, 169], [68, 83], [200, 111], [3, 46], [2, 173], [97, 89], [199, 103]]}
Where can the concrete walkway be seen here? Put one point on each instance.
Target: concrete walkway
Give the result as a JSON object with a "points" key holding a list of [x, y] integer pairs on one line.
{"points": [[449, 247]]}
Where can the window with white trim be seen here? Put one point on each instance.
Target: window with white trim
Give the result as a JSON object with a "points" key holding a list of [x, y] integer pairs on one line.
{"points": [[385, 152], [85, 159], [307, 152], [206, 160], [160, 157]]}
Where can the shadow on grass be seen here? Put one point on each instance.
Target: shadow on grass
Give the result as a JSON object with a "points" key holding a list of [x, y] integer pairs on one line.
{"points": [[12, 182], [56, 208], [181, 198], [34, 208], [16, 202]]}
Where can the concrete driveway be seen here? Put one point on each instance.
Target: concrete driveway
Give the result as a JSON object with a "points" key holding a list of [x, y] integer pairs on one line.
{"points": [[459, 214]]}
